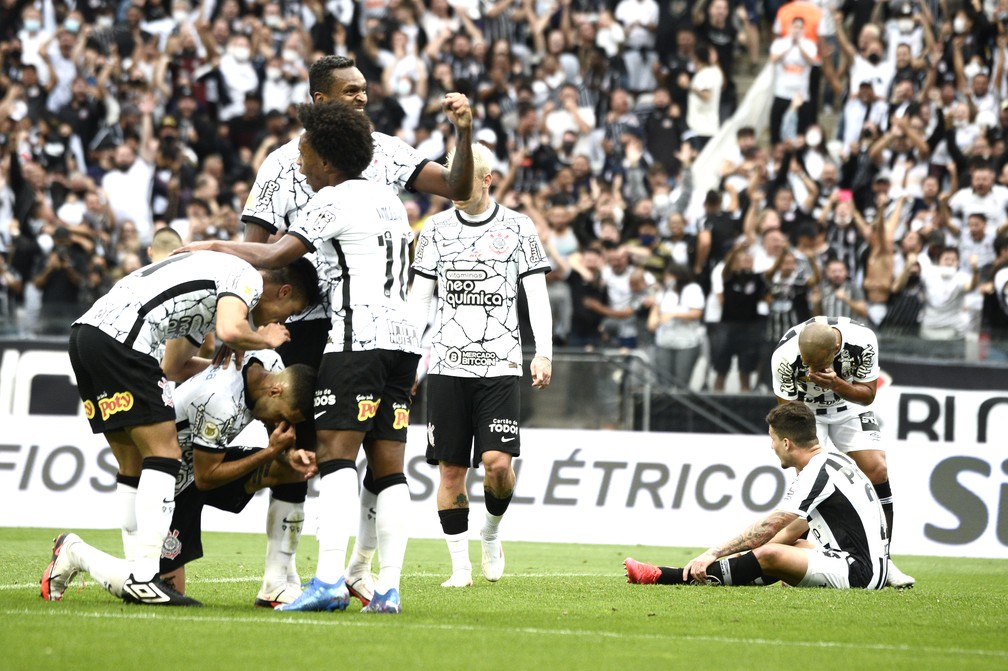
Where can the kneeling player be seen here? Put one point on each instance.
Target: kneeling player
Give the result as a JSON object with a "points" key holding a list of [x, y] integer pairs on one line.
{"points": [[211, 409]]}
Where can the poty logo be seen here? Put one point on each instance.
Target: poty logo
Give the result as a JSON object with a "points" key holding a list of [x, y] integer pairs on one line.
{"points": [[401, 419], [367, 408], [121, 402]]}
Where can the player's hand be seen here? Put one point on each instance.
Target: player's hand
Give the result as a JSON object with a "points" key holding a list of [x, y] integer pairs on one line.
{"points": [[302, 462], [542, 372], [824, 379], [198, 246], [456, 106], [282, 437], [697, 568], [223, 357], [274, 335]]}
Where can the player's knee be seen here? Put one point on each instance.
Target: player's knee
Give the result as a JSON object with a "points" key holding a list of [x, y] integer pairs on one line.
{"points": [[453, 477], [496, 466]]}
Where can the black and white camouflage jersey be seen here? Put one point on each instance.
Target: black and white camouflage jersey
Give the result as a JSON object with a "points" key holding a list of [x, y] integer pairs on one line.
{"points": [[857, 361], [361, 234], [477, 266], [212, 408], [843, 513], [280, 192], [174, 298]]}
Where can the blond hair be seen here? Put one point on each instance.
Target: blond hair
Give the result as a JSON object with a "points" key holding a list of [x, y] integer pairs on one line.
{"points": [[483, 160]]}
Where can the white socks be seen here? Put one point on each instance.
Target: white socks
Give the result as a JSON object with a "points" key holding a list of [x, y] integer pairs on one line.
{"points": [[155, 504], [393, 533], [337, 502], [127, 495], [458, 549], [367, 535], [284, 522], [110, 571], [490, 526]]}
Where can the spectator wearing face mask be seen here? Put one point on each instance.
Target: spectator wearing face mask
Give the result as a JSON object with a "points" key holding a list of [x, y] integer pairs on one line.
{"points": [[944, 317]]}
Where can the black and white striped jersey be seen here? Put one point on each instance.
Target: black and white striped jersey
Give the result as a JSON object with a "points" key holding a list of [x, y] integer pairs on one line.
{"points": [[843, 513], [361, 236], [478, 266], [212, 408], [174, 298], [280, 191], [857, 361]]}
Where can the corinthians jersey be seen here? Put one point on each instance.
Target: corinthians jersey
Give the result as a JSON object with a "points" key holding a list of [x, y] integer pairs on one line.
{"points": [[211, 409], [477, 266], [361, 235], [280, 191], [857, 361], [174, 298], [843, 514]]}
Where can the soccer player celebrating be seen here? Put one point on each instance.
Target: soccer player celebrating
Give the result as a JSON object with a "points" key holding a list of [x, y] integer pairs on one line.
{"points": [[831, 364], [127, 395], [211, 409], [477, 254], [829, 497], [360, 230], [279, 194]]}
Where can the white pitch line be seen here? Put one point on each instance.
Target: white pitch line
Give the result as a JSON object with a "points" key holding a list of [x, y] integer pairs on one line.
{"points": [[214, 581], [339, 620]]}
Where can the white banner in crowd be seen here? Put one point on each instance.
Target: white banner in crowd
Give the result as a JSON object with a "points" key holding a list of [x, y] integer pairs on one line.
{"points": [[948, 468]]}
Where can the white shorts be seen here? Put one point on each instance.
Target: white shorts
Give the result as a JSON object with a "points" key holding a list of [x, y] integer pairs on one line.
{"points": [[850, 432], [826, 568]]}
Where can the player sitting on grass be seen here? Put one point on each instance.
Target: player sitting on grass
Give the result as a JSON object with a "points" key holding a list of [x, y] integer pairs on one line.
{"points": [[830, 497], [211, 409]]}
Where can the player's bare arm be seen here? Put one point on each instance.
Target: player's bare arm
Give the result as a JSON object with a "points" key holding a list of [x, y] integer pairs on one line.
{"points": [[455, 183], [862, 393], [180, 361], [233, 328], [284, 251], [755, 536], [212, 471]]}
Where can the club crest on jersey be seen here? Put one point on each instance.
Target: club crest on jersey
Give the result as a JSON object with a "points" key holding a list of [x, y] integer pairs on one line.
{"points": [[121, 401], [401, 419], [367, 407], [498, 242], [166, 392], [172, 545], [89, 409]]}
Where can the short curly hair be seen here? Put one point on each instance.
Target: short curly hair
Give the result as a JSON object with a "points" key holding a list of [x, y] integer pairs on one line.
{"points": [[339, 134], [320, 75]]}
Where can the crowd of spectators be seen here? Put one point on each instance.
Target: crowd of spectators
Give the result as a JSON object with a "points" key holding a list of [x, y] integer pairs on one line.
{"points": [[876, 187]]}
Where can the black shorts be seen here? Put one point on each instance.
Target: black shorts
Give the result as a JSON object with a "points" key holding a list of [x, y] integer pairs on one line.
{"points": [[120, 387], [366, 391], [185, 536], [307, 343], [467, 416]]}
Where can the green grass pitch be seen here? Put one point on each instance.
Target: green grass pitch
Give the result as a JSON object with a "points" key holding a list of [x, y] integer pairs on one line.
{"points": [[557, 607]]}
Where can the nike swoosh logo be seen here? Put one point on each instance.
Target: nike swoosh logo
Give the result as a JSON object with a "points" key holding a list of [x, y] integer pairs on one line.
{"points": [[319, 414], [506, 440], [167, 501]]}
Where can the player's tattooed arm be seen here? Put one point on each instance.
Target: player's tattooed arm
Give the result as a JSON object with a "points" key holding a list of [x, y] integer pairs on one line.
{"points": [[756, 535]]}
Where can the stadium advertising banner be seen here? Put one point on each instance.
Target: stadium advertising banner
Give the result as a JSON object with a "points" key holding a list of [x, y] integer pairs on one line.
{"points": [[947, 464]]}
